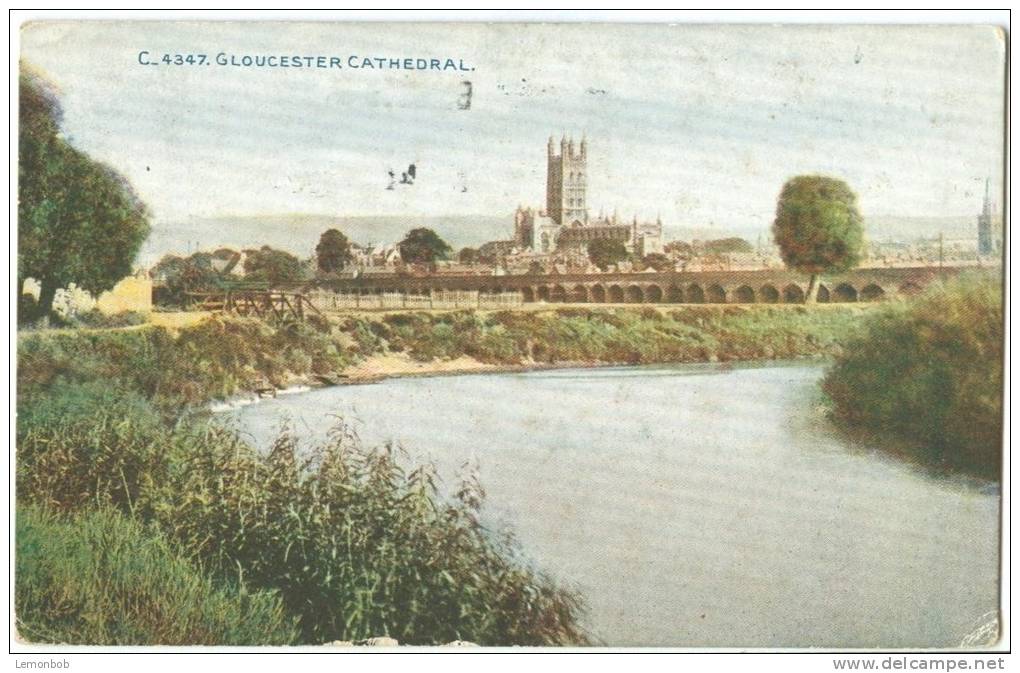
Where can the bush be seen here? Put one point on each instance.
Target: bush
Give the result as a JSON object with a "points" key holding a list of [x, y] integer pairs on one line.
{"points": [[102, 579], [217, 358], [929, 372], [96, 319]]}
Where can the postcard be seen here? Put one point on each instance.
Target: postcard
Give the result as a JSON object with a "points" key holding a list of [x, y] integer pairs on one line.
{"points": [[346, 334]]}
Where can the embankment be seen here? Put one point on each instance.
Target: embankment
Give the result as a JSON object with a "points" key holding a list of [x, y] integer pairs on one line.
{"points": [[226, 356]]}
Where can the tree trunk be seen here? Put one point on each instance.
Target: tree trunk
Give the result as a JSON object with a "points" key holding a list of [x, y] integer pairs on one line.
{"points": [[812, 290], [47, 291]]}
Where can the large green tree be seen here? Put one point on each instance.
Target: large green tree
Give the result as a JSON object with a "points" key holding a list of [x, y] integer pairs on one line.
{"points": [[79, 221], [333, 252], [272, 266], [423, 246], [818, 228], [604, 252]]}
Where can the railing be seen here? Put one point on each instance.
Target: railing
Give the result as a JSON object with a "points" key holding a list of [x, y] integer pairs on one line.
{"points": [[442, 299]]}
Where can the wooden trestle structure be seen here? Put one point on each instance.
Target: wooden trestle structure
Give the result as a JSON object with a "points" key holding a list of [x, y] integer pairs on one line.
{"points": [[259, 303]]}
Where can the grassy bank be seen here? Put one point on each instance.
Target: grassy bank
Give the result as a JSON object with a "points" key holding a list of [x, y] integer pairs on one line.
{"points": [[133, 530], [224, 356], [929, 374]]}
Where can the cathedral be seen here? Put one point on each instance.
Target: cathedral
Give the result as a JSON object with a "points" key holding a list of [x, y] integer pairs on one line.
{"points": [[564, 225]]}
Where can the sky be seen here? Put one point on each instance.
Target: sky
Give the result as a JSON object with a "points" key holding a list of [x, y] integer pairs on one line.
{"points": [[700, 125]]}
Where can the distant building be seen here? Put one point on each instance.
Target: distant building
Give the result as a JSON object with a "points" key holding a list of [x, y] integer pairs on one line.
{"points": [[564, 225]]}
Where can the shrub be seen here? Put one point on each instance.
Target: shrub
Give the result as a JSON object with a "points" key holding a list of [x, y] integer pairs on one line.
{"points": [[102, 579], [930, 372]]}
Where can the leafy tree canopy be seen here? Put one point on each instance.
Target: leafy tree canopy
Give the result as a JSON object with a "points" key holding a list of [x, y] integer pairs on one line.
{"points": [[181, 275], [817, 227], [271, 266], [468, 256], [79, 221], [680, 247], [726, 245], [333, 251], [423, 246], [604, 252]]}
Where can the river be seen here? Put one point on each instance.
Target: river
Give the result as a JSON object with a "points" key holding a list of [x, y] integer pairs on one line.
{"points": [[695, 505]]}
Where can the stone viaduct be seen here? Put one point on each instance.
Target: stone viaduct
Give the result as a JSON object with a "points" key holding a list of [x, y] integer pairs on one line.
{"points": [[692, 287]]}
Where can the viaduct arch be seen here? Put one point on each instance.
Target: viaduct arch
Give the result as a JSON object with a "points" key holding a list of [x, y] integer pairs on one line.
{"points": [[707, 287]]}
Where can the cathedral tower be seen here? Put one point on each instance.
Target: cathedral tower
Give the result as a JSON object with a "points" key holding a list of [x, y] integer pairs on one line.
{"points": [[566, 186]]}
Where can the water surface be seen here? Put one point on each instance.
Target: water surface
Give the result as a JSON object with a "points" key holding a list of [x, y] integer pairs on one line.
{"points": [[704, 505]]}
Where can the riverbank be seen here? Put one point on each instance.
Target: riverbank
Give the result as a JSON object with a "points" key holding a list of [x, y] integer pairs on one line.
{"points": [[224, 357]]}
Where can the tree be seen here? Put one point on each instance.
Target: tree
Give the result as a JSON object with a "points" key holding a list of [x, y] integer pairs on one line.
{"points": [[681, 248], [272, 266], [423, 246], [721, 246], [468, 256], [79, 221], [181, 275], [604, 252], [817, 227], [657, 261], [333, 252]]}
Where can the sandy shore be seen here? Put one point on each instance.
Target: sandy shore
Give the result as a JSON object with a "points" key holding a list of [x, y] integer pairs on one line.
{"points": [[395, 365]]}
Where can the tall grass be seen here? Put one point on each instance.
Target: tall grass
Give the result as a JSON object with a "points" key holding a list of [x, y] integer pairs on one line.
{"points": [[929, 373], [355, 542], [102, 579], [88, 445]]}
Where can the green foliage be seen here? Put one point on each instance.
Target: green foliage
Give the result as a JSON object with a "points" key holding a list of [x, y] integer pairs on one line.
{"points": [[88, 444], [333, 252], [212, 360], [604, 252], [817, 227], [722, 246], [423, 246], [181, 275], [623, 335], [96, 319], [78, 220], [358, 546], [353, 543], [682, 248], [468, 256], [103, 579], [929, 372], [275, 267]]}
